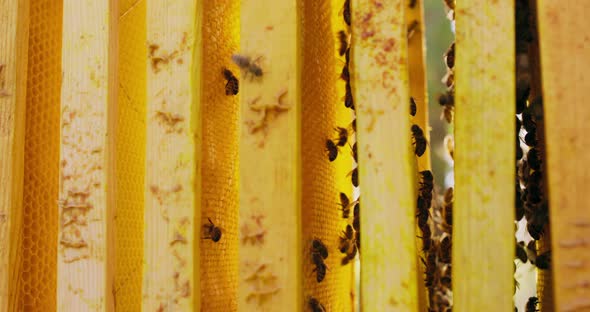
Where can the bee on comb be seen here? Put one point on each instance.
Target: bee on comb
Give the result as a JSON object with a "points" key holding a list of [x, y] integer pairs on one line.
{"points": [[232, 85]]}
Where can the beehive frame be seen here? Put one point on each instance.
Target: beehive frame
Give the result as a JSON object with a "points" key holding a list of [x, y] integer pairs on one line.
{"points": [[143, 147]]}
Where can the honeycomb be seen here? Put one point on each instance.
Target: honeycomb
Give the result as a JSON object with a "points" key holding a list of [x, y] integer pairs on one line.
{"points": [[130, 158], [37, 291], [323, 109], [219, 261]]}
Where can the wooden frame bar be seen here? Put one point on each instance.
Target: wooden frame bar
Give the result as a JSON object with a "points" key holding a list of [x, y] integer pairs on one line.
{"points": [[564, 48], [86, 191], [483, 212], [379, 57], [173, 228], [14, 43], [270, 155]]}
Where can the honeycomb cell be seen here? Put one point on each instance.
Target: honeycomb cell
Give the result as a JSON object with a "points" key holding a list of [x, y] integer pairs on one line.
{"points": [[39, 253], [130, 157]]}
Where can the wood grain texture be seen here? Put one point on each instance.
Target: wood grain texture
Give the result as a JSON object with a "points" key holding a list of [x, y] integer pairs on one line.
{"points": [[564, 47], [14, 22], [270, 157], [86, 191], [483, 214], [386, 160], [173, 172]]}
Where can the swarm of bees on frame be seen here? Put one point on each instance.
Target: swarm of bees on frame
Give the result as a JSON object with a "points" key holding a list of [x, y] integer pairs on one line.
{"points": [[349, 240], [434, 214], [530, 199]]}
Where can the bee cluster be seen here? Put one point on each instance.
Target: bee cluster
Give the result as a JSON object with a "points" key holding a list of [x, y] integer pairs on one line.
{"points": [[530, 200], [350, 238], [437, 232], [447, 99]]}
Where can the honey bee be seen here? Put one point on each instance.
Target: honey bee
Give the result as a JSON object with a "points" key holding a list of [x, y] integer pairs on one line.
{"points": [[345, 74], [213, 232], [332, 150], [426, 240], [422, 212], [530, 138], [535, 225], [315, 305], [420, 141], [531, 304], [319, 252], [346, 238], [528, 122], [413, 107], [342, 136], [354, 150], [412, 3], [348, 101], [318, 247], [346, 12], [543, 261], [357, 240], [345, 204], [533, 159], [247, 65], [320, 269], [446, 99], [448, 113], [445, 249], [412, 29], [232, 85], [353, 125], [349, 255], [356, 222], [354, 176], [430, 264], [521, 252], [519, 152], [449, 143], [427, 182], [343, 38], [450, 4], [449, 56]]}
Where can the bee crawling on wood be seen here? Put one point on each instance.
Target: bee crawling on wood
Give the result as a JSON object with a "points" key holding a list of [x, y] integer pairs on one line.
{"points": [[232, 85], [420, 141], [213, 232], [248, 65], [315, 305]]}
